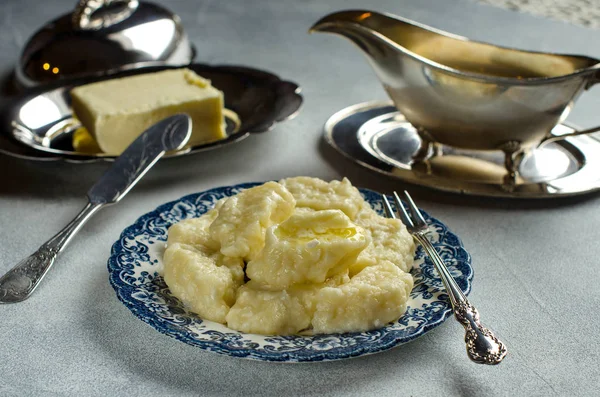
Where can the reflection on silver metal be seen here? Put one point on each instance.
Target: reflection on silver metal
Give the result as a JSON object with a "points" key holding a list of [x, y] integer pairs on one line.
{"points": [[483, 347], [85, 16], [40, 126], [171, 133], [103, 37], [466, 94], [56, 137], [378, 137]]}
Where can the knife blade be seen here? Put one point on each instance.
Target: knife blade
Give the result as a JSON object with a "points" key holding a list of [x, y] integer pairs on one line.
{"points": [[171, 133]]}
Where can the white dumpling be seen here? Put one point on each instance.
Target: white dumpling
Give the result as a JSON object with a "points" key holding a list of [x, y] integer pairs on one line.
{"points": [[240, 226], [317, 194], [206, 284], [375, 296]]}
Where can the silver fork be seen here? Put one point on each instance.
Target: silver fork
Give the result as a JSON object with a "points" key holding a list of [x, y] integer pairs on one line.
{"points": [[483, 346]]}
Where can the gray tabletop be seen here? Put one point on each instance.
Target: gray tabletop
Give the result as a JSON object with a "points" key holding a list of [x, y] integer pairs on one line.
{"points": [[536, 270]]}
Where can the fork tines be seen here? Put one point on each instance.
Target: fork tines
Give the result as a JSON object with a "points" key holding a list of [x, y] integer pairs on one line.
{"points": [[401, 211]]}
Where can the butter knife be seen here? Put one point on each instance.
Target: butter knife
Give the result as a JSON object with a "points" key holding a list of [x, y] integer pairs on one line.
{"points": [[169, 134]]}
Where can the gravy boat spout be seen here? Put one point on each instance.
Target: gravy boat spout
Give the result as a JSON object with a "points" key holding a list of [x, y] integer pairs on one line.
{"points": [[463, 93]]}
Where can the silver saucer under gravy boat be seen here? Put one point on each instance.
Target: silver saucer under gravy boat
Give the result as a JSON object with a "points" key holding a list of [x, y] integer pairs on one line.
{"points": [[377, 136]]}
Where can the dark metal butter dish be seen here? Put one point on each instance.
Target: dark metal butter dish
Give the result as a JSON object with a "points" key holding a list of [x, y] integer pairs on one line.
{"points": [[103, 37], [39, 124]]}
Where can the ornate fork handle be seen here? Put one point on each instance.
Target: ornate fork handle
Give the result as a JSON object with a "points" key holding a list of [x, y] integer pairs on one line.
{"points": [[483, 346]]}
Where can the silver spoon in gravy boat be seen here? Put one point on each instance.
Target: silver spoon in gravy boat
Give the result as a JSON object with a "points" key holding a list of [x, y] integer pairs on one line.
{"points": [[169, 134]]}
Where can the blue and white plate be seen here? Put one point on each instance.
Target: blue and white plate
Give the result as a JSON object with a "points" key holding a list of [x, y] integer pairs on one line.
{"points": [[137, 256]]}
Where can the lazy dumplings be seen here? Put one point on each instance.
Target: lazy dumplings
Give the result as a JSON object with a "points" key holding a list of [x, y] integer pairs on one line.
{"points": [[299, 255]]}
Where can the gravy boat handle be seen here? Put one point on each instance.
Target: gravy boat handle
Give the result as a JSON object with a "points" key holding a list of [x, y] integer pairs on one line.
{"points": [[593, 80], [554, 138]]}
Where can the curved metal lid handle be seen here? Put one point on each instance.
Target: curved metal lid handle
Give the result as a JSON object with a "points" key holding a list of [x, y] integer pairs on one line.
{"points": [[89, 14]]}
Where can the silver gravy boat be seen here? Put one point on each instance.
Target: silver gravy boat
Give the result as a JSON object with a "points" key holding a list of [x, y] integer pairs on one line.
{"points": [[467, 94]]}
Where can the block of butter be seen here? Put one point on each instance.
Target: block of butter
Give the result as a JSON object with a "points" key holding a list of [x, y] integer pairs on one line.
{"points": [[117, 111]]}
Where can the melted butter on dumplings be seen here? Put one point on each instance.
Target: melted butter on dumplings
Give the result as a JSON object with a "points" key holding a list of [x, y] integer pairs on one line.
{"points": [[317, 257], [307, 248]]}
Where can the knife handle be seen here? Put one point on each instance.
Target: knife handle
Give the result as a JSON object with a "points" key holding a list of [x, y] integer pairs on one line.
{"points": [[19, 282]]}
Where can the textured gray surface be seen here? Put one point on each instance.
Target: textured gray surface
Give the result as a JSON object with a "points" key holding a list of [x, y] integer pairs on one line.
{"points": [[536, 271], [579, 12]]}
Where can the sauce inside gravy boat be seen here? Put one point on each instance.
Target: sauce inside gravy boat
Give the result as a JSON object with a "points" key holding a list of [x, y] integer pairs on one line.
{"points": [[467, 94]]}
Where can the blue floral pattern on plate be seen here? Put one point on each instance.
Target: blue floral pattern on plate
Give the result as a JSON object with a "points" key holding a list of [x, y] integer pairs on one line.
{"points": [[136, 259]]}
